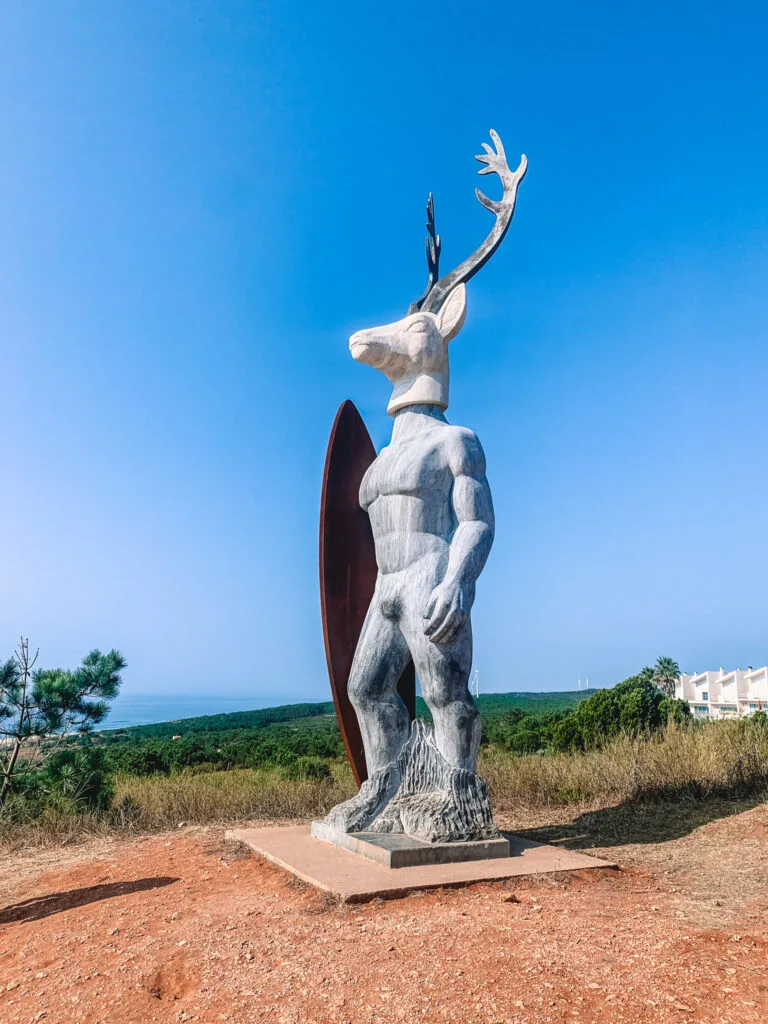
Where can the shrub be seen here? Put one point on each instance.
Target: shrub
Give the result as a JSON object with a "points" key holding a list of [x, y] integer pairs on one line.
{"points": [[633, 708], [673, 710], [78, 774], [308, 768]]}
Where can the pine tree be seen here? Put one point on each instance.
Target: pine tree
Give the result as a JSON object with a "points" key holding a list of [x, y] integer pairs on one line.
{"points": [[39, 708]]}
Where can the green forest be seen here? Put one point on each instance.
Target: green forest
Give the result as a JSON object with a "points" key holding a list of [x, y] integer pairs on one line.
{"points": [[299, 738], [303, 740]]}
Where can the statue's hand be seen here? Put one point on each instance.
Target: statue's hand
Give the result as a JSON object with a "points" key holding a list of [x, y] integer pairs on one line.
{"points": [[447, 612]]}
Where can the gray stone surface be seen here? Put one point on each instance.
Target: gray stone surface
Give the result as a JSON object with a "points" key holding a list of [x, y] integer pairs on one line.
{"points": [[432, 519], [419, 794], [402, 851], [431, 514]]}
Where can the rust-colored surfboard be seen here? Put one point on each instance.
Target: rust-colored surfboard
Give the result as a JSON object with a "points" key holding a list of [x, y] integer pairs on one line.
{"points": [[348, 571]]}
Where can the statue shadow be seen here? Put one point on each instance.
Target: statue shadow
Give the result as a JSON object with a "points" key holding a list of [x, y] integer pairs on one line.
{"points": [[636, 822], [39, 907]]}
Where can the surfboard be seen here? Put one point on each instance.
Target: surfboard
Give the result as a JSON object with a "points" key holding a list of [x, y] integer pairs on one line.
{"points": [[348, 572]]}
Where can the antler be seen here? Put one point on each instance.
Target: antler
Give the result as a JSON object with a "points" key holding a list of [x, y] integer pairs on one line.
{"points": [[433, 244], [496, 163]]}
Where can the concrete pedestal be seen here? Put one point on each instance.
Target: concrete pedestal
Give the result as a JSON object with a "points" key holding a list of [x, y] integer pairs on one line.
{"points": [[355, 879], [399, 851]]}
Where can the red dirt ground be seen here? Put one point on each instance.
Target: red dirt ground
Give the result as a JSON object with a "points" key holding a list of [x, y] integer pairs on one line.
{"points": [[182, 928]]}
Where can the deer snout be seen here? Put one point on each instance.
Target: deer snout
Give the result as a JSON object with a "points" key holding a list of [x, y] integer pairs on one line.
{"points": [[372, 347], [358, 343]]}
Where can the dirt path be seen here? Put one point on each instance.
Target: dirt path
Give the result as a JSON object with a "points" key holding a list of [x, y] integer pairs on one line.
{"points": [[179, 928]]}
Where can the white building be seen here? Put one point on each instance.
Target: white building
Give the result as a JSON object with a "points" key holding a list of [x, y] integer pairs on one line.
{"points": [[725, 694]]}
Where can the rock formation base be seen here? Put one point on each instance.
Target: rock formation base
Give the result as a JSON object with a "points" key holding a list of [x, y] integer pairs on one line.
{"points": [[421, 795]]}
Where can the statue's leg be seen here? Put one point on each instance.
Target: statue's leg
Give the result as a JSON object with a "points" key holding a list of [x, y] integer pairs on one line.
{"points": [[443, 672], [379, 661]]}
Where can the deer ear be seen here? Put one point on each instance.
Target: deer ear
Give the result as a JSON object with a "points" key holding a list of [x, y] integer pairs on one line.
{"points": [[451, 317]]}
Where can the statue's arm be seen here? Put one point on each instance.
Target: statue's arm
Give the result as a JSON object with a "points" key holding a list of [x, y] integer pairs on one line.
{"points": [[451, 601]]}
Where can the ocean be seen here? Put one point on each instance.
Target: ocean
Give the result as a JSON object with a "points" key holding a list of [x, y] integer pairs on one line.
{"points": [[148, 708]]}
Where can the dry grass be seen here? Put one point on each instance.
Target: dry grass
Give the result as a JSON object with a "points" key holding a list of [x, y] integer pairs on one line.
{"points": [[724, 759], [162, 801], [721, 759], [59, 824], [156, 802]]}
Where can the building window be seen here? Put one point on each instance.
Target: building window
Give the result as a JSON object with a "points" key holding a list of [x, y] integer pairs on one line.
{"points": [[705, 694], [753, 707]]}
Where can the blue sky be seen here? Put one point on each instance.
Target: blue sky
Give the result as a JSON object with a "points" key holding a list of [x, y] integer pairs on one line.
{"points": [[201, 201]]}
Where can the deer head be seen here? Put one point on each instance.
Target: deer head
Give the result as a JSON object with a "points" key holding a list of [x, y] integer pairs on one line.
{"points": [[413, 352]]}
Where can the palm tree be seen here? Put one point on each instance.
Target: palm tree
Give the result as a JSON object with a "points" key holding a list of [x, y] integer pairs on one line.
{"points": [[665, 674]]}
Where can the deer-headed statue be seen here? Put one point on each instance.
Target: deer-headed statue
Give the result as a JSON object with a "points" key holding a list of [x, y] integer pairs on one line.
{"points": [[413, 352], [431, 514]]}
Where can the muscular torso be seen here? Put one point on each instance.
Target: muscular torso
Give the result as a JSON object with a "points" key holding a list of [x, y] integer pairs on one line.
{"points": [[407, 492]]}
